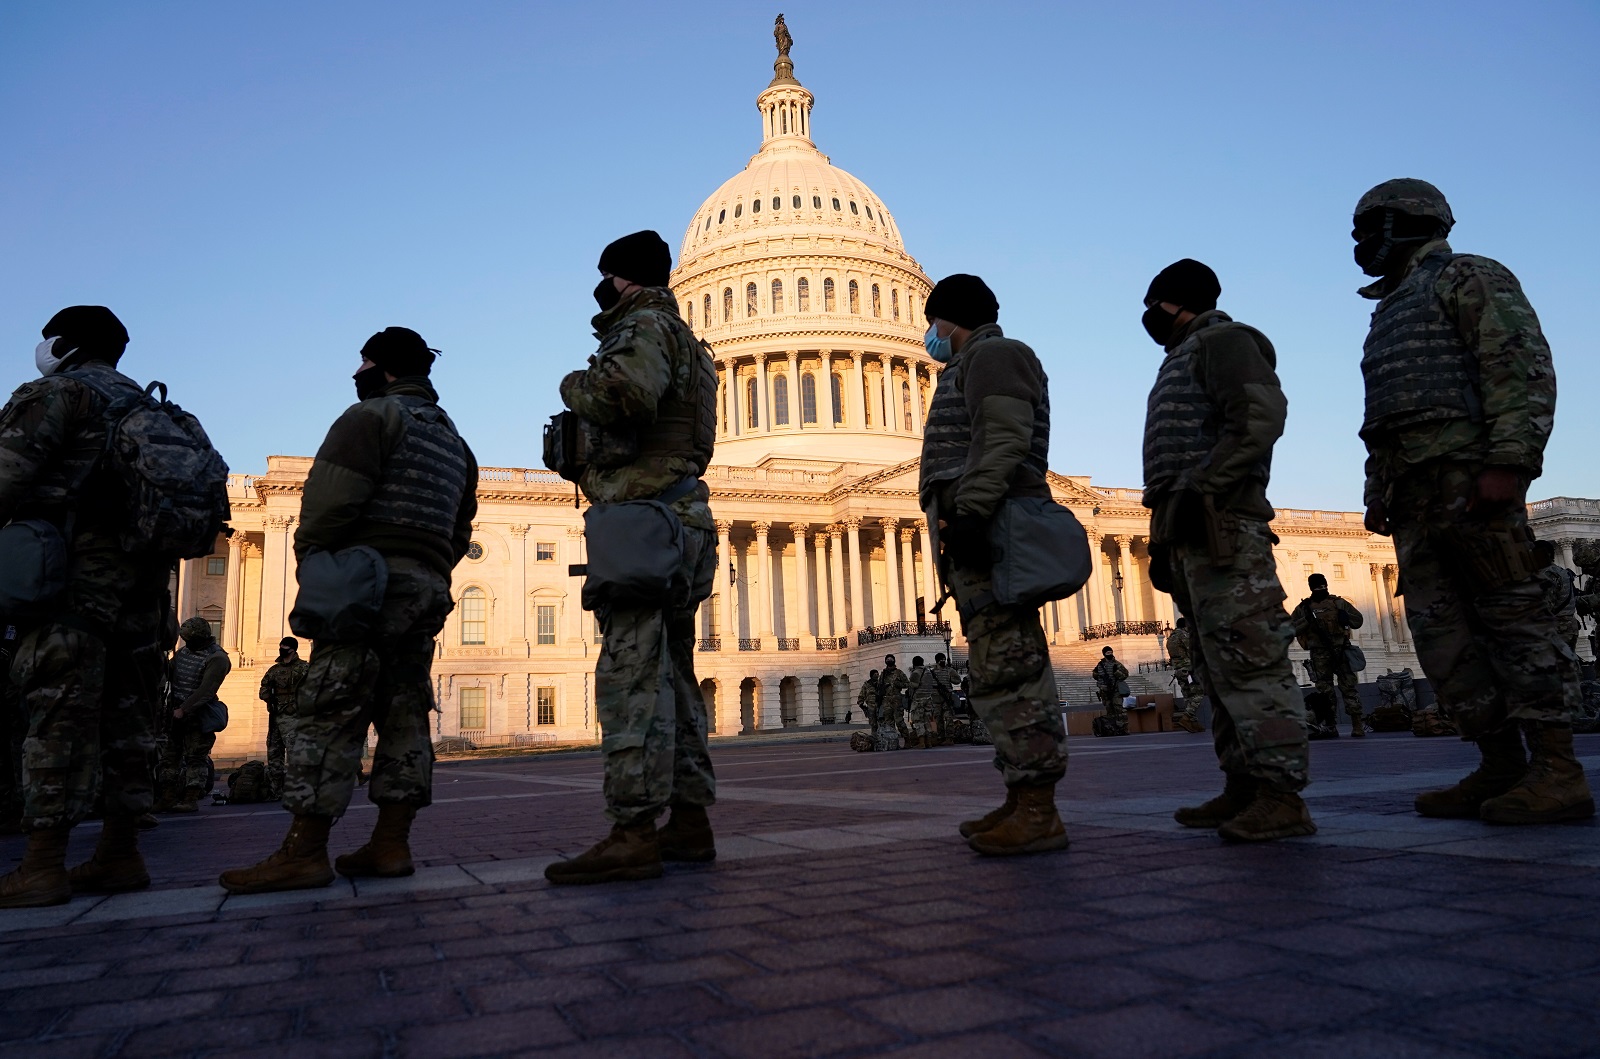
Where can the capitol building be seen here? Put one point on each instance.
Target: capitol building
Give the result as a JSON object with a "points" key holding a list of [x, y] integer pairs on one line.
{"points": [[798, 276]]}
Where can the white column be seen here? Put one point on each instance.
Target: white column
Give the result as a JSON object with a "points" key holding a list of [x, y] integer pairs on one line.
{"points": [[891, 561], [916, 400], [825, 389], [1130, 582], [853, 529], [1095, 591], [761, 560], [1379, 618], [908, 574], [232, 623], [735, 398], [819, 573], [802, 569], [725, 588], [890, 417], [792, 403], [519, 578], [840, 620], [855, 405], [763, 397], [930, 572]]}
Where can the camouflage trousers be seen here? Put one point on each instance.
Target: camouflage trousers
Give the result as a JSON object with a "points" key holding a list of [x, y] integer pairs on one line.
{"points": [[892, 717], [1476, 611], [280, 733], [1182, 677], [87, 682], [1111, 699], [1241, 636], [652, 715], [183, 769], [1328, 668], [1013, 689], [13, 729], [386, 685], [924, 719]]}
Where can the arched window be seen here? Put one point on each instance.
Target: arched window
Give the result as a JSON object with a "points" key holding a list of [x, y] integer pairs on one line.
{"points": [[777, 295], [869, 211], [797, 202], [707, 314], [750, 306], [738, 210], [691, 313], [852, 208], [816, 202], [855, 297], [802, 295], [836, 206], [780, 401], [777, 202], [727, 304], [722, 215], [808, 398], [877, 301], [708, 223], [827, 296], [894, 304], [837, 388], [866, 399], [474, 617], [755, 206], [752, 412], [905, 405]]}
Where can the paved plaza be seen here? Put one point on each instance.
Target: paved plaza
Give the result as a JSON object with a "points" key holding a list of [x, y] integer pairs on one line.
{"points": [[844, 917]]}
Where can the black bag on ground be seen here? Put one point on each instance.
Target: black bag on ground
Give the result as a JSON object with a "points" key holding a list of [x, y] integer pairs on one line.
{"points": [[1109, 726], [248, 784], [33, 569], [341, 595]]}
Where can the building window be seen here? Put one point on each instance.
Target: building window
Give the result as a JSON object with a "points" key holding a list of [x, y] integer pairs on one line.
{"points": [[1338, 571], [544, 617], [1306, 569], [545, 698], [777, 295], [837, 388], [755, 206], [905, 404], [474, 617], [827, 296], [816, 202], [780, 401], [738, 211], [855, 297], [751, 412], [707, 228], [777, 202], [853, 208], [544, 552], [802, 295], [216, 629], [727, 304], [722, 215], [866, 402], [474, 709], [836, 206], [877, 301], [797, 202], [894, 304], [474, 551], [808, 398], [216, 565], [750, 299], [691, 312], [706, 315], [869, 211]]}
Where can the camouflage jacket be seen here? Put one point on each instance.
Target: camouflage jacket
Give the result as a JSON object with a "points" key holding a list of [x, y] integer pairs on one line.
{"points": [[1332, 615], [1109, 672], [1561, 599], [893, 685], [1178, 649], [646, 352], [282, 683], [867, 697], [347, 473], [1516, 377]]}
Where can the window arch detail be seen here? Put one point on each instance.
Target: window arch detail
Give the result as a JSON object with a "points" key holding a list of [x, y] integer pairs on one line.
{"points": [[855, 297], [808, 399], [752, 411], [877, 301], [837, 387], [474, 617], [727, 304], [777, 295]]}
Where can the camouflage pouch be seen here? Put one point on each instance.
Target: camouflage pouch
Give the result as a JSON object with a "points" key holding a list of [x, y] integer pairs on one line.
{"points": [[1493, 552], [33, 569], [860, 742]]}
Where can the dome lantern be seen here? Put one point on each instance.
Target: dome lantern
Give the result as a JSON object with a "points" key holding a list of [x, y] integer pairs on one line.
{"points": [[785, 104]]}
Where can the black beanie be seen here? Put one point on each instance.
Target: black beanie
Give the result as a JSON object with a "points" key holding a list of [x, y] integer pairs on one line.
{"points": [[94, 330], [399, 351], [1316, 581], [964, 300], [1188, 284], [643, 258]]}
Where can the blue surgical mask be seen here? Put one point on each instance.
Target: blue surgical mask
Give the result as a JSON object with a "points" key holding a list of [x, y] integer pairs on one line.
{"points": [[938, 348]]}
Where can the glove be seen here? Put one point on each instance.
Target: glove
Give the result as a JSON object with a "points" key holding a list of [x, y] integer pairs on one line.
{"points": [[966, 542]]}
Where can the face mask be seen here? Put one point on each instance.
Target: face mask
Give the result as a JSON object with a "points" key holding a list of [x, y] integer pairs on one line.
{"points": [[44, 357], [1159, 324], [285, 653], [370, 383], [938, 348], [606, 294]]}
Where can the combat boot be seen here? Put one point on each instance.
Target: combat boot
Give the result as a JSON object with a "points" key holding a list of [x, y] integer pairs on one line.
{"points": [[627, 854], [1358, 728], [1502, 766], [116, 866], [301, 863], [1237, 794], [687, 835], [969, 828], [41, 878], [1188, 723], [1273, 814], [1033, 827], [1554, 790], [387, 854], [189, 803]]}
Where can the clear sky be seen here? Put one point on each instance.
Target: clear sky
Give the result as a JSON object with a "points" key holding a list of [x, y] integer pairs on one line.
{"points": [[257, 187]]}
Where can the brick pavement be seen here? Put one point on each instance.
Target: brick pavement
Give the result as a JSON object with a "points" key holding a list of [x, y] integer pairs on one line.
{"points": [[844, 917]]}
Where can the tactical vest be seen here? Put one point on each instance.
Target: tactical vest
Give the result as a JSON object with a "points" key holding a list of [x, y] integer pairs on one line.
{"points": [[1182, 424], [65, 480], [425, 476], [187, 665], [1325, 615], [947, 433], [686, 420], [1415, 364], [284, 680]]}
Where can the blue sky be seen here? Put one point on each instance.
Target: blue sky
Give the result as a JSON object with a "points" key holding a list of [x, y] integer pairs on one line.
{"points": [[257, 187]]}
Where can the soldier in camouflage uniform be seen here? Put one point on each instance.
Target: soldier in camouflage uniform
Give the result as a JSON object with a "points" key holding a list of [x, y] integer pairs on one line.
{"points": [[1109, 676], [280, 687], [987, 439], [893, 688], [1181, 655], [393, 475], [1214, 414], [867, 700], [924, 706], [648, 399], [194, 674], [86, 674], [1460, 401], [945, 679], [1560, 593], [1322, 623]]}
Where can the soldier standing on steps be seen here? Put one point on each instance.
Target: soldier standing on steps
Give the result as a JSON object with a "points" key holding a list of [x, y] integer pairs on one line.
{"points": [[1322, 623], [1214, 414]]}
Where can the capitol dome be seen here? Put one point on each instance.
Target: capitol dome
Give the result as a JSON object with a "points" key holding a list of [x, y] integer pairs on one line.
{"points": [[796, 274]]}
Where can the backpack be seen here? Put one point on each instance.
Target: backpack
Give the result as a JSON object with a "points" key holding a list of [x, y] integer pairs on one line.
{"points": [[861, 742], [174, 483], [1109, 726], [248, 784]]}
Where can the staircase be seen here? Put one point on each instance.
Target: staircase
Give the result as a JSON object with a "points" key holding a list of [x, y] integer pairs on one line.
{"points": [[1073, 663]]}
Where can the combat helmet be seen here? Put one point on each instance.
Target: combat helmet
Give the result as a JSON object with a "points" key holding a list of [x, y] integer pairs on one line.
{"points": [[1411, 196], [196, 628]]}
